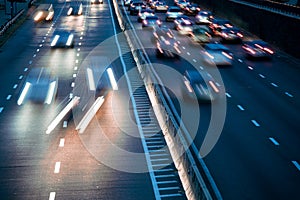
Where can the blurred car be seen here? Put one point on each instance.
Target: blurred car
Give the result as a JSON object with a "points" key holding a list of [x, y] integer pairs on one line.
{"points": [[201, 34], [127, 2], [166, 43], [217, 25], [173, 12], [182, 3], [143, 13], [183, 25], [231, 35], [191, 9], [62, 38], [96, 1], [44, 12], [200, 86], [161, 6], [204, 17], [40, 87], [258, 49], [75, 8], [218, 54], [151, 21], [135, 7]]}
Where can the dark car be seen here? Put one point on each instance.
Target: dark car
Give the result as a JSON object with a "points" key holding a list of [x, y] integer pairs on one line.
{"points": [[135, 7], [62, 38], [199, 86], [191, 9], [151, 21], [231, 35], [40, 87], [217, 25], [258, 49]]}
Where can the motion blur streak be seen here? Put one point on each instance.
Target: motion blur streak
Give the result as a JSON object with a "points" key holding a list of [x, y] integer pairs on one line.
{"points": [[90, 114], [112, 79], [51, 92], [23, 94], [91, 80], [59, 117]]}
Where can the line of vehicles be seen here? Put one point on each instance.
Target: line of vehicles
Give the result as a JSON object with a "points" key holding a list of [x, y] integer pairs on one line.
{"points": [[189, 19]]}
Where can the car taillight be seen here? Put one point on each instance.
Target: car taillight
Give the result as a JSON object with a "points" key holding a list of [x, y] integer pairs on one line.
{"points": [[269, 50]]}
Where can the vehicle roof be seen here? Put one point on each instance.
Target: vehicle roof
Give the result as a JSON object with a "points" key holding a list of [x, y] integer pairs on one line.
{"points": [[174, 7], [151, 17], [221, 21]]}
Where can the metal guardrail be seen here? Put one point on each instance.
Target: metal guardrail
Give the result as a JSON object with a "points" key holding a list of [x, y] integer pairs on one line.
{"points": [[8, 24], [197, 188], [278, 7]]}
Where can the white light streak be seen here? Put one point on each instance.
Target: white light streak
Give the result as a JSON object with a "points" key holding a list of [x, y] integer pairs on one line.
{"points": [[23, 94], [112, 79]]}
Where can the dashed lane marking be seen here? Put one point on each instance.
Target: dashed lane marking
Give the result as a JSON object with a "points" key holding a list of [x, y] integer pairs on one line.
{"points": [[274, 141], [255, 123]]}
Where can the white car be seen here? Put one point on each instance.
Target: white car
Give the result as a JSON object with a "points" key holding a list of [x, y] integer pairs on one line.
{"points": [[161, 7], [203, 17], [173, 12], [183, 25], [218, 54], [40, 87]]}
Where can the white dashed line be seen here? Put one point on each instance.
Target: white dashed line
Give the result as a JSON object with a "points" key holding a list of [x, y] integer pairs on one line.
{"points": [[73, 84], [8, 97], [288, 94], [77, 54], [76, 61], [79, 43], [26, 69], [240, 60], [81, 33], [240, 107], [228, 95], [81, 38], [43, 41], [71, 95], [75, 68], [61, 142], [194, 60], [57, 167], [273, 84], [296, 164], [30, 62], [251, 68], [65, 124], [37, 50], [274, 141], [40, 45], [15, 86], [1, 109], [20, 77], [188, 53], [78, 49], [183, 47], [74, 75], [34, 55], [201, 68], [52, 196], [255, 123], [262, 76]]}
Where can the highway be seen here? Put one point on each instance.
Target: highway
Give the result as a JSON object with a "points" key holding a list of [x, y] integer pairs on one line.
{"points": [[255, 157], [257, 153]]}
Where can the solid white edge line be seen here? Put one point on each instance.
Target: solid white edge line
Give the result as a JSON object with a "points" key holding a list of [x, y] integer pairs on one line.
{"points": [[274, 141], [90, 114], [63, 113], [52, 196], [296, 164]]}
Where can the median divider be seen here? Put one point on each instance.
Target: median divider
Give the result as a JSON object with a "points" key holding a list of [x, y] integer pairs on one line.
{"points": [[186, 158]]}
